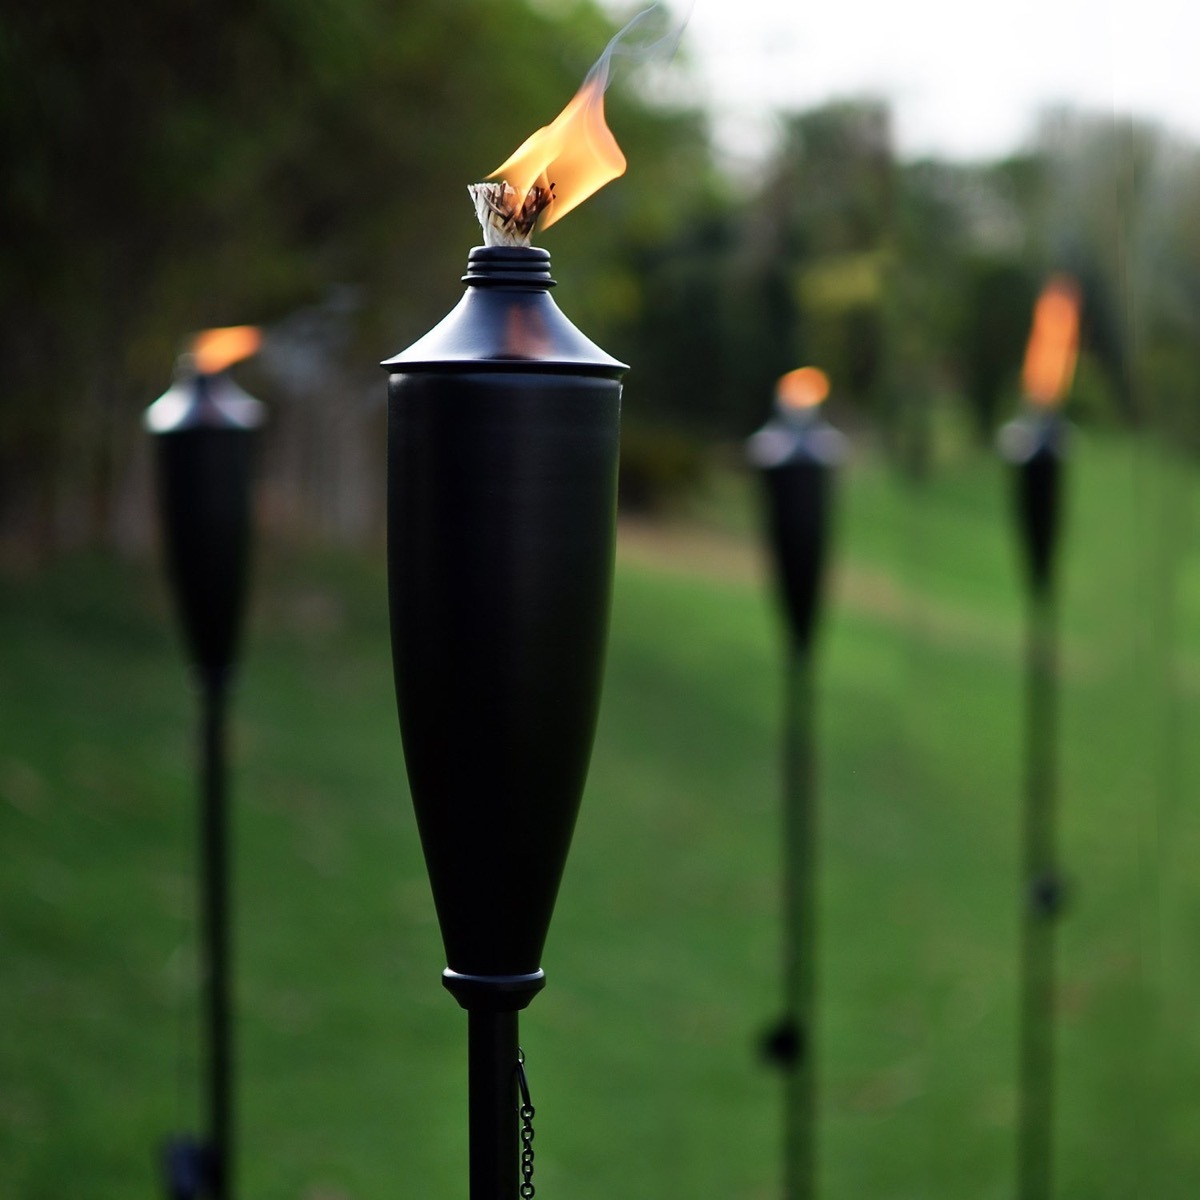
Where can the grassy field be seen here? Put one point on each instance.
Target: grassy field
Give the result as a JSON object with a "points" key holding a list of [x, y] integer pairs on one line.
{"points": [[662, 961]]}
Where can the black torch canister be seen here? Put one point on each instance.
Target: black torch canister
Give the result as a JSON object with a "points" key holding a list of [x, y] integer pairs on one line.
{"points": [[1035, 445], [502, 474], [796, 453], [204, 427]]}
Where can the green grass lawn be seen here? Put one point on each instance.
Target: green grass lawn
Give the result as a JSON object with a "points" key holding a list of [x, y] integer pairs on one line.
{"points": [[662, 961]]}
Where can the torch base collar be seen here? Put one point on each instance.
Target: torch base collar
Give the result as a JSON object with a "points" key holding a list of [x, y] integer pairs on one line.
{"points": [[493, 993]]}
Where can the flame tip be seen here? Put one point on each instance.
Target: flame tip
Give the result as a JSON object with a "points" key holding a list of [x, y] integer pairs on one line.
{"points": [[216, 349], [805, 387], [1053, 346], [567, 161]]}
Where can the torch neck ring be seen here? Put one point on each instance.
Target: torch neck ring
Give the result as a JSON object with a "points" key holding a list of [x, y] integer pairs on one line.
{"points": [[493, 993], [525, 267]]}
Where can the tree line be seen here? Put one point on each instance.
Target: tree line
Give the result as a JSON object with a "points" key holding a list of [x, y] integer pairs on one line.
{"points": [[302, 165]]}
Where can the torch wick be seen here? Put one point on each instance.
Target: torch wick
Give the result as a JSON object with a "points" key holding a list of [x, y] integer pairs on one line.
{"points": [[505, 220]]}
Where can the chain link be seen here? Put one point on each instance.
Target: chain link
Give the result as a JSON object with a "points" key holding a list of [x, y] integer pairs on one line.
{"points": [[526, 1111]]}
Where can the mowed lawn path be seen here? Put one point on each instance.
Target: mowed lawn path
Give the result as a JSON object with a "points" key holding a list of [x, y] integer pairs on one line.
{"points": [[662, 960]]}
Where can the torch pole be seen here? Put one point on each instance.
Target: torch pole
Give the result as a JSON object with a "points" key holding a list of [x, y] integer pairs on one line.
{"points": [[1043, 901], [205, 429], [214, 926], [492, 1054], [794, 1044], [1035, 444], [796, 453]]}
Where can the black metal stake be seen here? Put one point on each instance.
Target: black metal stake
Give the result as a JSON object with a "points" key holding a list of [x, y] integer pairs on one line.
{"points": [[794, 1049], [493, 1127], [796, 453], [1034, 444], [215, 937], [1040, 865], [204, 426]]}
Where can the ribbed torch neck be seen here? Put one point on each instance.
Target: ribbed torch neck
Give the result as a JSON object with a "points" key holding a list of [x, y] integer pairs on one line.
{"points": [[509, 266]]}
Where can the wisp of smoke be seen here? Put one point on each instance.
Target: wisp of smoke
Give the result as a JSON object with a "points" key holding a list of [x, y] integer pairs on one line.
{"points": [[648, 37]]}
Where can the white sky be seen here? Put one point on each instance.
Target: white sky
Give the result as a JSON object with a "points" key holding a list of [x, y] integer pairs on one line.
{"points": [[965, 79]]}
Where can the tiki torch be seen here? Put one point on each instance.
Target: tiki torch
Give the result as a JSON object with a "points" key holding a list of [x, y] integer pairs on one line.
{"points": [[502, 469], [796, 453], [1034, 443], [204, 427]]}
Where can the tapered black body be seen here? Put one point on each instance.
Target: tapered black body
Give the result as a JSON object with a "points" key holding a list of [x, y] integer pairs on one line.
{"points": [[1035, 445], [204, 429], [205, 440], [796, 454], [502, 467]]}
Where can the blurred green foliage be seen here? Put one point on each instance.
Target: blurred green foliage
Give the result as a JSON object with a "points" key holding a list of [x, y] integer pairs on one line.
{"points": [[177, 166], [173, 167]]}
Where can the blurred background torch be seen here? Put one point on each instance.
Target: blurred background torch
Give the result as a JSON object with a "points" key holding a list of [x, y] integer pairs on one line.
{"points": [[796, 453], [204, 426], [1035, 443]]}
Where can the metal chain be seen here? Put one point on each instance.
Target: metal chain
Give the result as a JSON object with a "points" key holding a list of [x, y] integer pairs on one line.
{"points": [[526, 1112]]}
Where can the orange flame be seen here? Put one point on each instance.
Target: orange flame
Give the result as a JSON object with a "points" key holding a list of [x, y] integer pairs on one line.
{"points": [[576, 154], [215, 349], [1053, 343], [805, 387]]}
